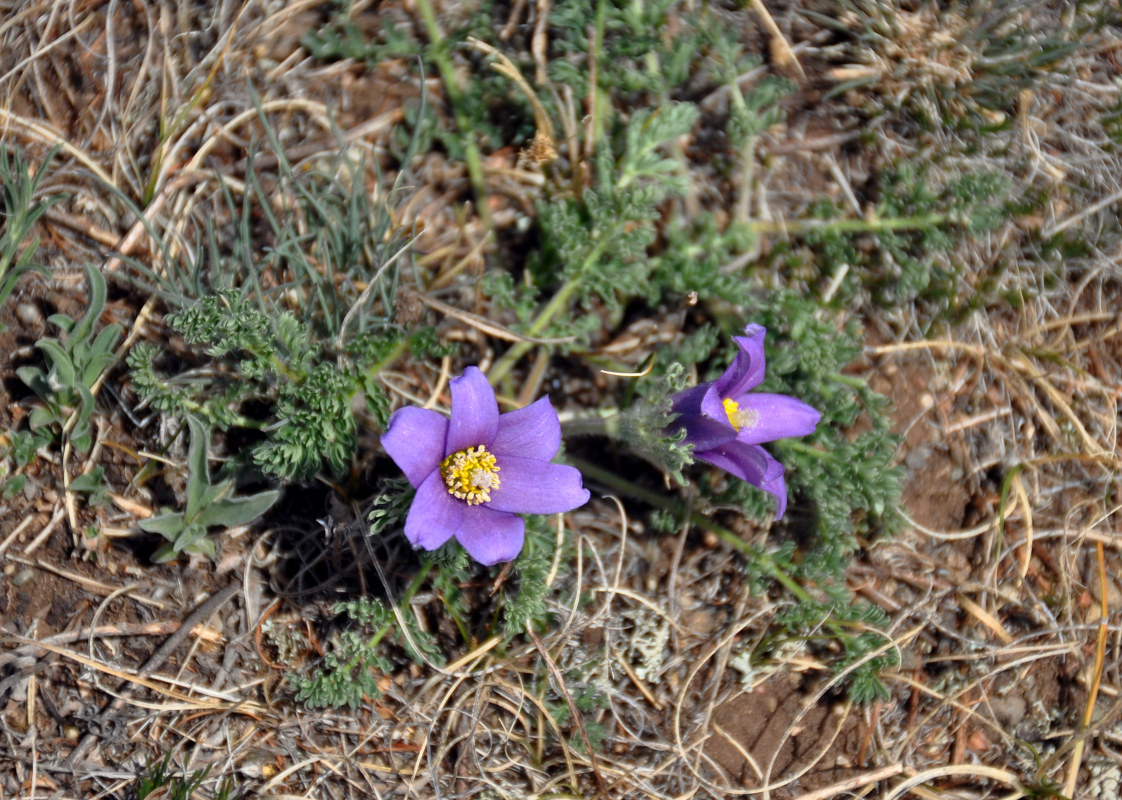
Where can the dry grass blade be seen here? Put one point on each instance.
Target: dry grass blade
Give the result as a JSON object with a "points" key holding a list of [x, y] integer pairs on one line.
{"points": [[200, 615], [490, 328], [578, 719], [1096, 678], [780, 47], [959, 770]]}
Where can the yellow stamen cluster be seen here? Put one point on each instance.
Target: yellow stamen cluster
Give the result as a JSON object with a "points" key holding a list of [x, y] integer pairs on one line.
{"points": [[740, 418], [470, 475]]}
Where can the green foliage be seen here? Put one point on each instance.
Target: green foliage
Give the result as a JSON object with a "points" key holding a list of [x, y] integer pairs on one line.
{"points": [[356, 657], [177, 787], [74, 363], [208, 505], [92, 485], [354, 660], [912, 264], [272, 361], [294, 362], [12, 485], [587, 700], [637, 62], [390, 506], [486, 109], [699, 256], [22, 445], [596, 247], [19, 210], [314, 425], [343, 38], [856, 626], [352, 665], [349, 674], [906, 251], [527, 604]]}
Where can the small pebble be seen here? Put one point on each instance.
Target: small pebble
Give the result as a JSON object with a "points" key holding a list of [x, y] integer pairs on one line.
{"points": [[25, 576], [29, 314]]}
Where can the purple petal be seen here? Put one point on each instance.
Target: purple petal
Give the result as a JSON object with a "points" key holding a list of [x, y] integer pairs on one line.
{"points": [[753, 464], [702, 414], [777, 416], [747, 369], [491, 536], [414, 439], [475, 412], [688, 401], [532, 432], [435, 516], [528, 486]]}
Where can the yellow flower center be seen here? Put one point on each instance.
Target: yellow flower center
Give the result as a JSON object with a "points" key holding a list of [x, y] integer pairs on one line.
{"points": [[470, 475], [740, 418]]}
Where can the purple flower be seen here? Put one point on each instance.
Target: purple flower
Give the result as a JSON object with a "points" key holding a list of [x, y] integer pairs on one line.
{"points": [[726, 425], [474, 471]]}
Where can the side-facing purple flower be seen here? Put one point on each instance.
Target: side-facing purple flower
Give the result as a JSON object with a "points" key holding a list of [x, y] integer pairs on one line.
{"points": [[726, 425], [476, 470]]}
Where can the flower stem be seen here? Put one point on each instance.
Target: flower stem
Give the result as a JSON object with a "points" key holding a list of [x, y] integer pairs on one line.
{"points": [[439, 55], [418, 580], [919, 222], [624, 486], [850, 380], [606, 423], [805, 449], [396, 351], [758, 557], [557, 304]]}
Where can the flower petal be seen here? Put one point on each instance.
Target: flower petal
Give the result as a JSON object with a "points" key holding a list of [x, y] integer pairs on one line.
{"points": [[532, 432], [777, 416], [747, 369], [475, 412], [414, 439], [753, 464], [528, 486], [491, 536], [435, 516], [702, 414]]}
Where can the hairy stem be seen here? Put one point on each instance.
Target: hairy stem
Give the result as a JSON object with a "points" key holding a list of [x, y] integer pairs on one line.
{"points": [[624, 486], [439, 54], [605, 423], [557, 304], [920, 222], [422, 573]]}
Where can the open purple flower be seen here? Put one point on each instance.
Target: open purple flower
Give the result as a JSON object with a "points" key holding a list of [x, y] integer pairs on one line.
{"points": [[476, 470], [726, 425]]}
